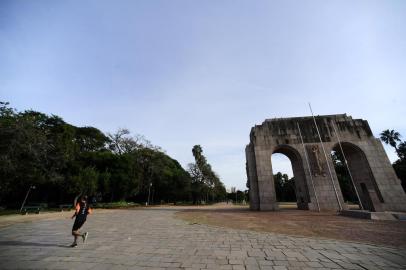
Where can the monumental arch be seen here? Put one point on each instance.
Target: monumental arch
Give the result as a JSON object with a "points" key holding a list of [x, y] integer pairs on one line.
{"points": [[316, 182]]}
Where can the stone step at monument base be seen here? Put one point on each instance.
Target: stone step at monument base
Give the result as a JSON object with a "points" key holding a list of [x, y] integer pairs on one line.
{"points": [[374, 215]]}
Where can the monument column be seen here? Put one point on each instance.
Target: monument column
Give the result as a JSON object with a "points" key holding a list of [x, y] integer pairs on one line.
{"points": [[266, 186]]}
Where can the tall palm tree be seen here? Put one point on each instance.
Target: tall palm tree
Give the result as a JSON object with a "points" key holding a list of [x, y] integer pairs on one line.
{"points": [[391, 137]]}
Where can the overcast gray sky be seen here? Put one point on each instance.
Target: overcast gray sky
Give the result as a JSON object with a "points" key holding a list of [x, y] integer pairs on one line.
{"points": [[204, 72]]}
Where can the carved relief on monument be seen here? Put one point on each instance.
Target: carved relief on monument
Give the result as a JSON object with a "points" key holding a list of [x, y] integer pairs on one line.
{"points": [[316, 162]]}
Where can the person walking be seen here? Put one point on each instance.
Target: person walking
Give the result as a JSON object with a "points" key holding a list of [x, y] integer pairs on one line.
{"points": [[82, 209]]}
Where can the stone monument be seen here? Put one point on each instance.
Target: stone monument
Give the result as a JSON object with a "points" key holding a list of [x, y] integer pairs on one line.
{"points": [[309, 150]]}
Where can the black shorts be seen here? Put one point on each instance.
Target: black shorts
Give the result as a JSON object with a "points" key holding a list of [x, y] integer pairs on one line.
{"points": [[78, 223]]}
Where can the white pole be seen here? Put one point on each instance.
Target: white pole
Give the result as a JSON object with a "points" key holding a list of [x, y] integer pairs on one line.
{"points": [[325, 155], [308, 166], [348, 168], [26, 196], [149, 192]]}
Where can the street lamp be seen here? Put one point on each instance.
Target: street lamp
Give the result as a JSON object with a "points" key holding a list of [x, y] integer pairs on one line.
{"points": [[149, 192], [26, 196]]}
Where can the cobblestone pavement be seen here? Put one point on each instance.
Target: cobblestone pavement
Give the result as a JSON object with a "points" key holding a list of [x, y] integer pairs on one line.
{"points": [[154, 239]]}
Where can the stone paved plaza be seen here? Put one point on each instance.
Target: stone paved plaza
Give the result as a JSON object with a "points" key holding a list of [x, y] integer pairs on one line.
{"points": [[155, 239]]}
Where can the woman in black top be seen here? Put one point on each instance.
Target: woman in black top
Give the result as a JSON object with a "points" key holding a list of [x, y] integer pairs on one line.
{"points": [[81, 212]]}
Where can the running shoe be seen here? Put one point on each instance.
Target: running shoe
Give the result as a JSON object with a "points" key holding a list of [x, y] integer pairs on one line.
{"points": [[84, 236], [73, 245]]}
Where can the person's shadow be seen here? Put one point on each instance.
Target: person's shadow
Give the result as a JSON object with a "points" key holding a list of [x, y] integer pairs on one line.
{"points": [[30, 244]]}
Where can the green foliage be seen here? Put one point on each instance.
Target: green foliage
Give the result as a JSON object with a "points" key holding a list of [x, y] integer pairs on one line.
{"points": [[206, 185], [85, 182], [402, 151], [90, 139], [62, 161], [115, 205], [284, 188], [237, 196], [392, 138], [400, 169], [344, 179]]}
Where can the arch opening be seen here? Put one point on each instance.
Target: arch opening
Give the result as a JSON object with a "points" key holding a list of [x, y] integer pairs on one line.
{"points": [[356, 178], [344, 180], [290, 189]]}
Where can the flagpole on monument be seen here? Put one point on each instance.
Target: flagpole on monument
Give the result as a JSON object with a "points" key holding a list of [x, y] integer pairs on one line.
{"points": [[308, 166], [325, 155], [348, 168]]}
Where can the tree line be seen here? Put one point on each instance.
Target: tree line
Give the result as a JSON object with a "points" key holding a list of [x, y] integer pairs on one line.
{"points": [[392, 138], [284, 187], [206, 185], [62, 160]]}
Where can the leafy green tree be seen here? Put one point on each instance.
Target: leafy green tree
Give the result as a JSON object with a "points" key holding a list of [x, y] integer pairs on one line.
{"points": [[391, 137], [121, 142], [90, 139], [284, 187], [23, 156], [86, 181], [208, 185], [344, 179], [104, 183], [402, 151], [278, 182], [400, 168], [237, 196], [197, 183], [63, 160]]}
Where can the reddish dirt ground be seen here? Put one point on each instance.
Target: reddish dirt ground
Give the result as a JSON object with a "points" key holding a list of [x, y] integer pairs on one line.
{"points": [[302, 223]]}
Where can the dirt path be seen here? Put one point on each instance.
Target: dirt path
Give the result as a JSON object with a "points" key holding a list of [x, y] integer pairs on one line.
{"points": [[8, 220], [302, 223]]}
